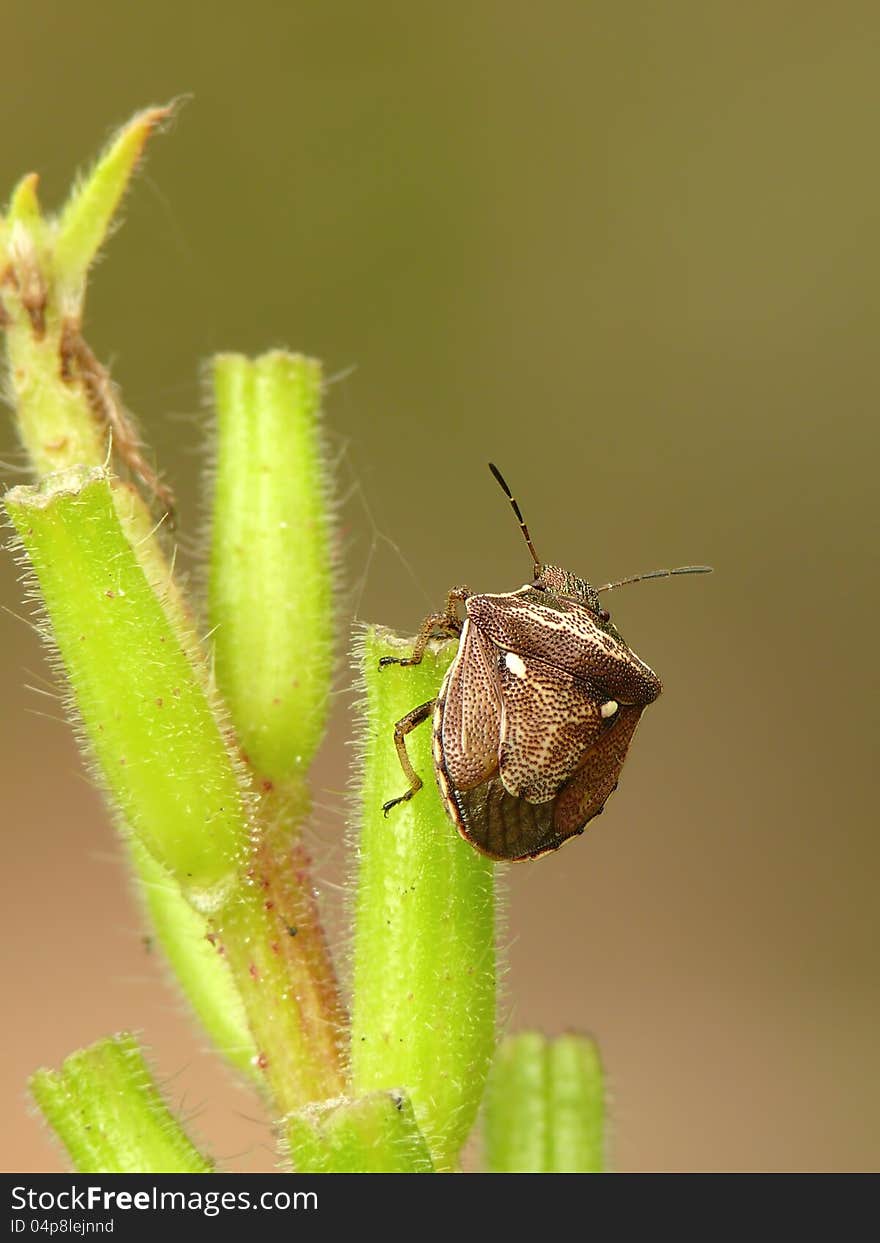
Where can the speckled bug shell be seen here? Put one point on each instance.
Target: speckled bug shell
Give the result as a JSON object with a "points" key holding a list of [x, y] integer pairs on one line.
{"points": [[535, 716]]}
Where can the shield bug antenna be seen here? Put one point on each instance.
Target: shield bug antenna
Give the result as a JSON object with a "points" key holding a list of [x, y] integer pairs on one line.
{"points": [[516, 509], [637, 578]]}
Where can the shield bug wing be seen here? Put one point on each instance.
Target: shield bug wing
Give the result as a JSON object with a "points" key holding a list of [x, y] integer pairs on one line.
{"points": [[502, 826], [585, 794], [467, 740], [508, 736], [507, 826], [467, 729], [550, 720]]}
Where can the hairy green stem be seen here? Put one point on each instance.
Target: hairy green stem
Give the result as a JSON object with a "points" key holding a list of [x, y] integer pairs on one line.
{"points": [[271, 606], [423, 1013], [203, 975], [158, 748], [105, 1108], [297, 1044], [65, 404], [376, 1134], [161, 756], [271, 585], [545, 1107]]}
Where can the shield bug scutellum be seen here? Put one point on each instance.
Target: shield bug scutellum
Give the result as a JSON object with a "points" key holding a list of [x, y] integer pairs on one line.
{"points": [[536, 712]]}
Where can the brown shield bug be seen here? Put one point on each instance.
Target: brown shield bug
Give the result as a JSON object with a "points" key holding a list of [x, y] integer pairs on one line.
{"points": [[536, 712]]}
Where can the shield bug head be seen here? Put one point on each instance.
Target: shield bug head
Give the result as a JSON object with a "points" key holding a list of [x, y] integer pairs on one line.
{"points": [[533, 721]]}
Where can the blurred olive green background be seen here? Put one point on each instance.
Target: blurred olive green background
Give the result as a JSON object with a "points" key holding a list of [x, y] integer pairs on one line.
{"points": [[630, 252]]}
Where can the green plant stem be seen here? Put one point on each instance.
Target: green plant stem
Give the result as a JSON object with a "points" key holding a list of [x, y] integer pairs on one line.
{"points": [[271, 937], [545, 1107], [110, 1116], [147, 721], [203, 975], [160, 754], [423, 1011], [271, 584], [271, 609], [284, 872], [69, 415], [376, 1134], [62, 399], [142, 701], [576, 1106], [297, 1048]]}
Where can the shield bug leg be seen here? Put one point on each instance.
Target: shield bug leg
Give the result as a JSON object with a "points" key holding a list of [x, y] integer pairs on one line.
{"points": [[443, 625], [403, 727]]}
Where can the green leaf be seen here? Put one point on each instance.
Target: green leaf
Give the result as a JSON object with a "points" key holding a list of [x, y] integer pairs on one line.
{"points": [[86, 217], [24, 206]]}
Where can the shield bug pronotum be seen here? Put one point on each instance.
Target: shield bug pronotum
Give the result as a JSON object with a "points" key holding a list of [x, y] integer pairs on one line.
{"points": [[536, 712]]}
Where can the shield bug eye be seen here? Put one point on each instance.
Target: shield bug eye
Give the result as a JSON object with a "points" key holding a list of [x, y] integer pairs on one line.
{"points": [[604, 615]]}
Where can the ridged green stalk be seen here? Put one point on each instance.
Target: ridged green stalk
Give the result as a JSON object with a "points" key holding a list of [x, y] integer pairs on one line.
{"points": [[271, 585], [424, 949], [157, 746], [376, 1134], [298, 1045], [203, 974], [161, 756], [545, 1107], [107, 1111], [271, 604]]}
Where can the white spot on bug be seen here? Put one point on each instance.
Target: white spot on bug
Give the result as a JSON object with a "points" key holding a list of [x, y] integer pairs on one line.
{"points": [[608, 709], [515, 664]]}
